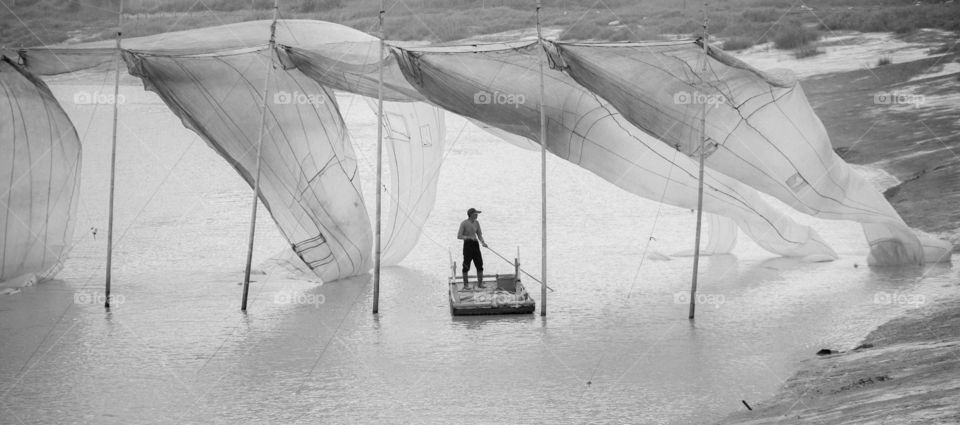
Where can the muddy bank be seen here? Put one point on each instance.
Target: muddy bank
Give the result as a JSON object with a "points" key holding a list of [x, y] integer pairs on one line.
{"points": [[907, 371]]}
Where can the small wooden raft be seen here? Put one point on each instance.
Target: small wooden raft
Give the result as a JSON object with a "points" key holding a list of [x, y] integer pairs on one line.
{"points": [[500, 294]]}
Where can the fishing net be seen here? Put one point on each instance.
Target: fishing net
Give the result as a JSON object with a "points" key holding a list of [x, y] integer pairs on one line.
{"points": [[413, 134], [214, 81], [721, 233], [628, 112], [308, 170], [39, 176], [760, 130], [499, 86]]}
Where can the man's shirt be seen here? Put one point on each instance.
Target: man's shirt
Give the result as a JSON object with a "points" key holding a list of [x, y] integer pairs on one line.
{"points": [[470, 230]]}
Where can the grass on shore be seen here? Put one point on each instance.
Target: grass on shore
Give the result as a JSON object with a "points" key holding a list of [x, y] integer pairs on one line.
{"points": [[806, 51]]}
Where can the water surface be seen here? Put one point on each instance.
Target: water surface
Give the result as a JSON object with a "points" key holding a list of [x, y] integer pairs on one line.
{"points": [[616, 345]]}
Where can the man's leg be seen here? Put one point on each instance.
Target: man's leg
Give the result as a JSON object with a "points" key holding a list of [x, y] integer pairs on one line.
{"points": [[478, 261], [466, 268]]}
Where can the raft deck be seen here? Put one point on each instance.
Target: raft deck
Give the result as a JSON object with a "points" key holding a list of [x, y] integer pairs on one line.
{"points": [[500, 294]]}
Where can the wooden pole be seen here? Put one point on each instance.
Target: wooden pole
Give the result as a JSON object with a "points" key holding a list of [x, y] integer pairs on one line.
{"points": [[516, 268], [256, 180], [376, 257], [113, 158], [543, 176], [703, 127]]}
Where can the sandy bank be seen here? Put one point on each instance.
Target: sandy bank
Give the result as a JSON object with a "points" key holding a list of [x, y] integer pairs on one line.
{"points": [[905, 372]]}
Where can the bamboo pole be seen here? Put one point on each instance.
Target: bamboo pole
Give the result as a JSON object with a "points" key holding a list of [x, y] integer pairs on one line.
{"points": [[703, 126], [516, 268], [376, 257], [256, 181], [543, 176], [113, 158]]}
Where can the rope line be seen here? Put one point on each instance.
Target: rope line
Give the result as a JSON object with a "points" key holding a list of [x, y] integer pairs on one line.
{"points": [[653, 228], [521, 268]]}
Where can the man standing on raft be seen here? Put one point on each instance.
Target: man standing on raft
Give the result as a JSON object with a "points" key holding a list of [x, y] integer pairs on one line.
{"points": [[472, 239]]}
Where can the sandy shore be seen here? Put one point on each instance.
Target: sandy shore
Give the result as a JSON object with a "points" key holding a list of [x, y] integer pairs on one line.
{"points": [[905, 372]]}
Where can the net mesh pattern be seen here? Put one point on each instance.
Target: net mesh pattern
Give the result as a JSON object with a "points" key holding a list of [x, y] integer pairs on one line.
{"points": [[628, 112]]}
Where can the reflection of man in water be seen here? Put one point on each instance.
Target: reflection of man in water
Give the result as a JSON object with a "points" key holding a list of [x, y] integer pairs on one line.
{"points": [[472, 239]]}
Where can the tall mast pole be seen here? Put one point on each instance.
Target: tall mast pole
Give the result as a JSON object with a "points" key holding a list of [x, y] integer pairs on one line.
{"points": [[703, 131], [256, 181], [376, 256], [543, 176], [113, 158]]}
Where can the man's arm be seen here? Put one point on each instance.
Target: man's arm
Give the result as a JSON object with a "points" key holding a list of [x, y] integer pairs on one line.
{"points": [[460, 233], [480, 235]]}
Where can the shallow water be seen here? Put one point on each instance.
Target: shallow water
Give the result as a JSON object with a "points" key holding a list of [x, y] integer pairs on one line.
{"points": [[842, 51], [616, 345]]}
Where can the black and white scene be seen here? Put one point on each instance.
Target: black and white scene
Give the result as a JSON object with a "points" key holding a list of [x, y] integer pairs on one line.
{"points": [[479, 212]]}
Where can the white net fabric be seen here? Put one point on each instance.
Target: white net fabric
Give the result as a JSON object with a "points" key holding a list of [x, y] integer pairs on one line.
{"points": [[760, 130], [414, 138], [627, 112], [500, 87], [39, 176], [308, 178]]}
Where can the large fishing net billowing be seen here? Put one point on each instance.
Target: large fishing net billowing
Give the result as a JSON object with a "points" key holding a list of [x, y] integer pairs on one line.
{"points": [[213, 79], [760, 130], [627, 112], [414, 139], [308, 169], [499, 86], [39, 176]]}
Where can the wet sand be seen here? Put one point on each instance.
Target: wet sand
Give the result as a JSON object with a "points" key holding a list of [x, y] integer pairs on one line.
{"points": [[905, 372]]}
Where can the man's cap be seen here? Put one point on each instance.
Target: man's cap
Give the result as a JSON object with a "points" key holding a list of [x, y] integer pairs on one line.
{"points": [[473, 210]]}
